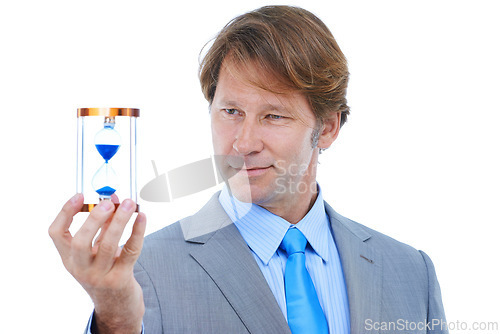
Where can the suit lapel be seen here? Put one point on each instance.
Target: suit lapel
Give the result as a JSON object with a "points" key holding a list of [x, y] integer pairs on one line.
{"points": [[226, 258], [362, 267]]}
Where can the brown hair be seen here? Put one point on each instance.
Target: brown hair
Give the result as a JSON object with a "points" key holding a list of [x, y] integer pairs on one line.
{"points": [[292, 44]]}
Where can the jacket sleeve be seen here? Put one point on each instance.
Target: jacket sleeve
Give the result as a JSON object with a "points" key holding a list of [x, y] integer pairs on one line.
{"points": [[152, 321], [152, 317], [436, 320]]}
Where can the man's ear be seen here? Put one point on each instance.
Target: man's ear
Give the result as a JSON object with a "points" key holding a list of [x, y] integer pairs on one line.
{"points": [[331, 128]]}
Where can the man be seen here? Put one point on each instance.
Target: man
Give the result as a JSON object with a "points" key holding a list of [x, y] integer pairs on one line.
{"points": [[276, 82]]}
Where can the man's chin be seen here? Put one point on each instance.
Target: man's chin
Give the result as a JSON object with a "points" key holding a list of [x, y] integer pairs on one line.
{"points": [[251, 193], [249, 188]]}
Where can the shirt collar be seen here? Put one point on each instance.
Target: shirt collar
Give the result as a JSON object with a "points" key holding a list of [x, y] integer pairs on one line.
{"points": [[263, 231]]}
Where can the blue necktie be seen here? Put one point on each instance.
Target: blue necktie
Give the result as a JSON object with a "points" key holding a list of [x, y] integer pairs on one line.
{"points": [[304, 312]]}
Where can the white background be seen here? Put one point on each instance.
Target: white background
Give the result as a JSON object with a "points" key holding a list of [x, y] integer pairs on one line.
{"points": [[418, 158]]}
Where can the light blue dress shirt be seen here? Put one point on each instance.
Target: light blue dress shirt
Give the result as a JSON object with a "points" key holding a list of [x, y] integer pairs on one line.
{"points": [[263, 231]]}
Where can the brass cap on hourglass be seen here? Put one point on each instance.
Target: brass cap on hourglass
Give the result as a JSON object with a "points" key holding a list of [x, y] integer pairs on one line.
{"points": [[108, 112], [89, 207]]}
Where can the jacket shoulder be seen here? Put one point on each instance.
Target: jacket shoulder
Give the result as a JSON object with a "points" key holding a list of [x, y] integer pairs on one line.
{"points": [[380, 241]]}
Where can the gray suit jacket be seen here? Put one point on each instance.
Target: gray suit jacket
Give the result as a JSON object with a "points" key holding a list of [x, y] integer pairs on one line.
{"points": [[199, 276]]}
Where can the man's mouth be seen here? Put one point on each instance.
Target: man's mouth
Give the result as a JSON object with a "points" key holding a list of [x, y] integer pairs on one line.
{"points": [[252, 168], [255, 171]]}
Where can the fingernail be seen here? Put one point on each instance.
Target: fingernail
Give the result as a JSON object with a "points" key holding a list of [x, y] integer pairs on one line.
{"points": [[75, 198], [105, 205], [127, 205]]}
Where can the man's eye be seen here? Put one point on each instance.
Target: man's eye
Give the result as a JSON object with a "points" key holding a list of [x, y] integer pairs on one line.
{"points": [[271, 116], [231, 111]]}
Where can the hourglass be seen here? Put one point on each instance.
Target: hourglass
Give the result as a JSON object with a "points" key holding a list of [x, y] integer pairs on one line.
{"points": [[106, 159]]}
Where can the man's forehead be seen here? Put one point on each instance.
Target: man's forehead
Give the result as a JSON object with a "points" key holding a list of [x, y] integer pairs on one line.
{"points": [[275, 93], [232, 93]]}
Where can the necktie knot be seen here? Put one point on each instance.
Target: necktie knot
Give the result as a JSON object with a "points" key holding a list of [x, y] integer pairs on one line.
{"points": [[294, 242]]}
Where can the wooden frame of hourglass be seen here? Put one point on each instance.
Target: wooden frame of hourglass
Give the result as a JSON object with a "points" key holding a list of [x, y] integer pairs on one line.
{"points": [[106, 155]]}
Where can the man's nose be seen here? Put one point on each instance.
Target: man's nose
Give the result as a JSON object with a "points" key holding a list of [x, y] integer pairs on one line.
{"points": [[248, 138]]}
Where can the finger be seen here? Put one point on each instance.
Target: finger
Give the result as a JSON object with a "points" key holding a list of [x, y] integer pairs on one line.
{"points": [[59, 229], [109, 242], [82, 241], [115, 199], [102, 231], [132, 248]]}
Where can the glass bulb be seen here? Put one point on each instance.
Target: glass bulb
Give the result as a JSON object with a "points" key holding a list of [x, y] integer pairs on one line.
{"points": [[107, 142], [105, 181]]}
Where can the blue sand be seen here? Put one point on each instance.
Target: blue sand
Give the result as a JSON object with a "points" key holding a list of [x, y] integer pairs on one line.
{"points": [[107, 151], [106, 191]]}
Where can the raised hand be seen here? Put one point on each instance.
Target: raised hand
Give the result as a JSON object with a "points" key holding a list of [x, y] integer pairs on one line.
{"points": [[104, 269]]}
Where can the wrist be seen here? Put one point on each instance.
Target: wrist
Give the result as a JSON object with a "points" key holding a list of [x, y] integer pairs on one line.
{"points": [[120, 315], [107, 325]]}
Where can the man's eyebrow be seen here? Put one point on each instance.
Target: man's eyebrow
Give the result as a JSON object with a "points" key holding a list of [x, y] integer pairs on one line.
{"points": [[265, 108], [273, 107], [229, 103]]}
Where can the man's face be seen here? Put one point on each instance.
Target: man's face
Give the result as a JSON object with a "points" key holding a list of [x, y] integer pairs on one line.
{"points": [[266, 139]]}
